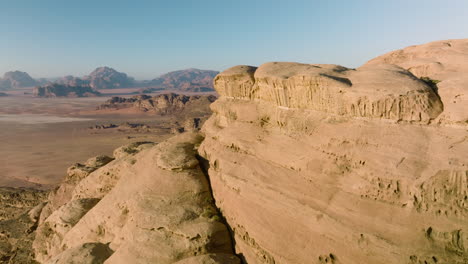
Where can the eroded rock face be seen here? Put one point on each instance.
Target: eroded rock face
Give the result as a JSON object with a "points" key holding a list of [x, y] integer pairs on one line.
{"points": [[443, 63], [324, 164], [152, 204], [381, 91]]}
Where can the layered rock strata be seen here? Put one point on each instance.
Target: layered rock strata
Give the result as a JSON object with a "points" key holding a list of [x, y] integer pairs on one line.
{"points": [[445, 65], [382, 91], [324, 164]]}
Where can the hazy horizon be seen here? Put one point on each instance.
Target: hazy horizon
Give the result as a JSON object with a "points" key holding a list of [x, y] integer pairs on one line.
{"points": [[50, 39]]}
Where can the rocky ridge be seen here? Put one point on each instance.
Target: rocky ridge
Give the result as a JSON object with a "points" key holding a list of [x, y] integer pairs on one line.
{"points": [[346, 166]]}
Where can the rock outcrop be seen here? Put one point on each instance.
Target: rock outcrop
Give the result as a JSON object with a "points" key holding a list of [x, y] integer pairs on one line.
{"points": [[443, 64], [60, 90], [382, 91], [161, 104], [325, 164], [16, 79], [151, 204]]}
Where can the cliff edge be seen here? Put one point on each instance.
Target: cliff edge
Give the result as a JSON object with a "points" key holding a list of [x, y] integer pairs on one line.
{"points": [[325, 164]]}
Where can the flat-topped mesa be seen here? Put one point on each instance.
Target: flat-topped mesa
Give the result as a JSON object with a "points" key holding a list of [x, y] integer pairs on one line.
{"points": [[378, 91], [236, 82]]}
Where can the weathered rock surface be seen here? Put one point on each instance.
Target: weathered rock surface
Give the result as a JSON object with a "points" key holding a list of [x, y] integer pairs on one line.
{"points": [[152, 204], [443, 63], [75, 174], [60, 90], [382, 91], [324, 164]]}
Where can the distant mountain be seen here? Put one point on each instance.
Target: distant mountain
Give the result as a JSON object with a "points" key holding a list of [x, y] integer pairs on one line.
{"points": [[108, 78], [16, 79], [190, 80], [73, 81], [63, 90]]}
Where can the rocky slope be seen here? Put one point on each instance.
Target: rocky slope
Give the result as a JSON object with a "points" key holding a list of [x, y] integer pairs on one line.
{"points": [[189, 80], [17, 225], [60, 90], [148, 204], [324, 164], [16, 79]]}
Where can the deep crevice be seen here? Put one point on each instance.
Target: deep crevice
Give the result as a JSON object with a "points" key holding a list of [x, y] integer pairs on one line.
{"points": [[205, 166]]}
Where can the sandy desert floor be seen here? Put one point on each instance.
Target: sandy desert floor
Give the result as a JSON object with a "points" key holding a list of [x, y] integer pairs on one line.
{"points": [[40, 138]]}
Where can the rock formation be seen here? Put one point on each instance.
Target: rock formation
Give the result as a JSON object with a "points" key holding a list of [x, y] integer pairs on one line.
{"points": [[325, 164], [443, 64], [16, 79], [108, 78], [190, 80], [61, 90], [162, 104], [151, 204]]}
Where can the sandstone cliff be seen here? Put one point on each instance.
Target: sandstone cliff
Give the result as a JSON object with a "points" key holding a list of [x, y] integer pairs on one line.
{"points": [[442, 63], [306, 164], [325, 164]]}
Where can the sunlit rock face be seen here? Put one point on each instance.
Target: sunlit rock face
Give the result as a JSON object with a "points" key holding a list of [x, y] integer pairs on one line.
{"points": [[442, 63], [148, 204], [325, 164]]}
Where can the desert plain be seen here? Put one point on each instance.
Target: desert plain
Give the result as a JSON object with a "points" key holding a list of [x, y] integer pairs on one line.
{"points": [[42, 137]]}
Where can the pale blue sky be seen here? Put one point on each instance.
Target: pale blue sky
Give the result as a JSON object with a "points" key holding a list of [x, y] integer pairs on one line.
{"points": [[49, 38]]}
